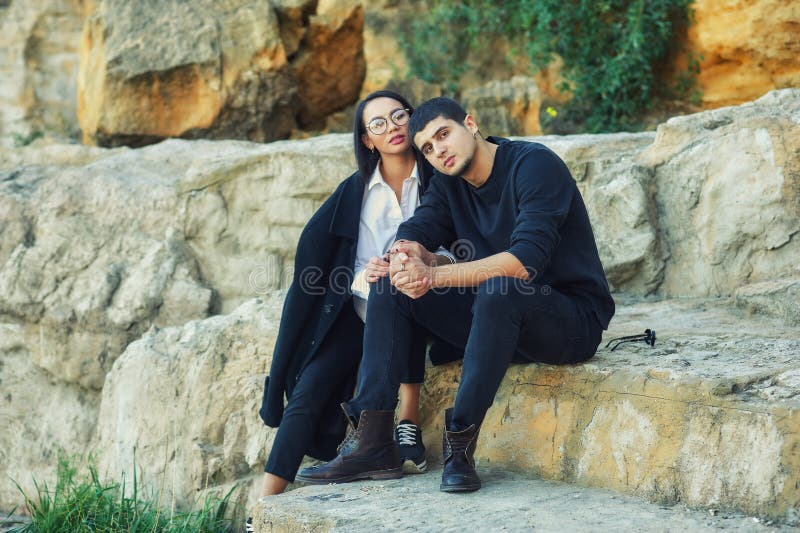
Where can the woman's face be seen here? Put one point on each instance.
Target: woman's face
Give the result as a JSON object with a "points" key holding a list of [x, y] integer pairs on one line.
{"points": [[378, 115]]}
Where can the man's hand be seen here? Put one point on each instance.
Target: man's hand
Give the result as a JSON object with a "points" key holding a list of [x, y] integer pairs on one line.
{"points": [[410, 274], [413, 249], [376, 268]]}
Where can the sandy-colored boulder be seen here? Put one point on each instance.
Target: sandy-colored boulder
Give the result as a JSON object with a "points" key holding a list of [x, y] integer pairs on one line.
{"points": [[748, 47], [707, 417], [99, 248], [777, 297], [234, 69], [38, 420], [728, 183], [38, 68], [205, 380], [202, 68], [383, 55], [505, 107], [330, 68], [89, 275], [99, 245]]}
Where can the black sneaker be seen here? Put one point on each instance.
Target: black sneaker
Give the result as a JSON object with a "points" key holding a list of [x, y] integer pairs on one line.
{"points": [[248, 526], [412, 451]]}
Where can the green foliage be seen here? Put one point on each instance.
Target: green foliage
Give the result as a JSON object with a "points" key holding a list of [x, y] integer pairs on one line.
{"points": [[610, 48], [86, 504]]}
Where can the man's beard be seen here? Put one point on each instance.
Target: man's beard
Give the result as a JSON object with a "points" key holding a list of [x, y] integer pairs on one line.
{"points": [[464, 168]]}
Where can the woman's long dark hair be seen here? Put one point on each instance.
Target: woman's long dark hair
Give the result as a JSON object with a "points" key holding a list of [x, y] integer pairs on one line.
{"points": [[366, 160]]}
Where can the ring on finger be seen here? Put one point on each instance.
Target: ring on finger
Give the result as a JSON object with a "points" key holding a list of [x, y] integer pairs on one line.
{"points": [[402, 267]]}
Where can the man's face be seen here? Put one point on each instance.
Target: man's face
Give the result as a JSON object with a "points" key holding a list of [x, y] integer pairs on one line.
{"points": [[447, 145]]}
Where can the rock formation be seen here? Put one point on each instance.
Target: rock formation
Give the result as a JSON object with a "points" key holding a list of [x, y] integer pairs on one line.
{"points": [[112, 261], [215, 69], [38, 68], [747, 48], [506, 107]]}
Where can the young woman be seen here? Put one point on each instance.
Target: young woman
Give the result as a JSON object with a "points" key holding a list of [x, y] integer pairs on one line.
{"points": [[340, 253]]}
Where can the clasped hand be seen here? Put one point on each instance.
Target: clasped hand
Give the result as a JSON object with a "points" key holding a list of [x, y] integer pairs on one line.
{"points": [[410, 268]]}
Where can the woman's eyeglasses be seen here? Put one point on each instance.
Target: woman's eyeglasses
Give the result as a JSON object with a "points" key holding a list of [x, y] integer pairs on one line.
{"points": [[378, 124]]}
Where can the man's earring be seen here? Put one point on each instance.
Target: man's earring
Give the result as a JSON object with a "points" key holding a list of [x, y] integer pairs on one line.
{"points": [[372, 150]]}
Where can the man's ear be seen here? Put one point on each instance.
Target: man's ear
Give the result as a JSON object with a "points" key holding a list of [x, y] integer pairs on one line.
{"points": [[367, 141], [470, 124]]}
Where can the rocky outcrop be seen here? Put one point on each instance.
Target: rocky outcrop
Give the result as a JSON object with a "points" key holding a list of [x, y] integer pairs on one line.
{"points": [[38, 68], [747, 48], [206, 380], [708, 417], [506, 502], [40, 416], [330, 68], [234, 69], [99, 245], [728, 183], [689, 420], [111, 262], [506, 107], [149, 72]]}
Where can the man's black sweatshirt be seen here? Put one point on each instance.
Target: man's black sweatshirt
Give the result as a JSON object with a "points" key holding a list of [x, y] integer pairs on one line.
{"points": [[529, 206]]}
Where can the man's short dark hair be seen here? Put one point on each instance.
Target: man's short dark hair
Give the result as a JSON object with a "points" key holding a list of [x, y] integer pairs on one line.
{"points": [[433, 109]]}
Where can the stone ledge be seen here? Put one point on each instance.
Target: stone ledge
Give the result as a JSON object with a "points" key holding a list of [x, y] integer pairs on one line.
{"points": [[507, 502], [709, 417]]}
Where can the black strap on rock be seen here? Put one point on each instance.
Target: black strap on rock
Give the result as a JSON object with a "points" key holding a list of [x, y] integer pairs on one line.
{"points": [[649, 337]]}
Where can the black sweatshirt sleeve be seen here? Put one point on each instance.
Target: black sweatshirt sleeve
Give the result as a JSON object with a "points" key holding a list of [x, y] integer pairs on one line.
{"points": [[544, 190], [432, 223]]}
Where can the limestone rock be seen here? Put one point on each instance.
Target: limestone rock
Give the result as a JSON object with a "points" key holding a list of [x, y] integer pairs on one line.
{"points": [[505, 107], [86, 273], [748, 48], [728, 183], [99, 246], [293, 18], [702, 418], [39, 420], [416, 91], [201, 68], [330, 68], [508, 501], [779, 298], [38, 68], [383, 55], [205, 380]]}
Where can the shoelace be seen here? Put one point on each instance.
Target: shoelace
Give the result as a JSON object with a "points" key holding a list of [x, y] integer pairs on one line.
{"points": [[649, 337], [407, 434]]}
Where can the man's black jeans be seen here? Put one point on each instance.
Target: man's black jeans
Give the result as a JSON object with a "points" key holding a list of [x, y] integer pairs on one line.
{"points": [[501, 321]]}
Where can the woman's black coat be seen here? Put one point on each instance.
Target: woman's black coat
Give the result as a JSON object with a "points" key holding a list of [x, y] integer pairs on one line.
{"points": [[323, 273]]}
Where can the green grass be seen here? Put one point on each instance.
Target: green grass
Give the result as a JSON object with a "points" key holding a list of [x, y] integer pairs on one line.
{"points": [[84, 503]]}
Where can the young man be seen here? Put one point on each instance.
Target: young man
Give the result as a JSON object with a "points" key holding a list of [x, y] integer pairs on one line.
{"points": [[529, 288]]}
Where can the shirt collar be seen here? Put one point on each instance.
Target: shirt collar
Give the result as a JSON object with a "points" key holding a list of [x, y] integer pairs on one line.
{"points": [[377, 177]]}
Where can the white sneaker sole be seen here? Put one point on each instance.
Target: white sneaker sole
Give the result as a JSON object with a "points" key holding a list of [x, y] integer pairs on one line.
{"points": [[410, 467]]}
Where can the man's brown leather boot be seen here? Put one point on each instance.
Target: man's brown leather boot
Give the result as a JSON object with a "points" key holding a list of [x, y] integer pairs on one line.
{"points": [[368, 452], [458, 449]]}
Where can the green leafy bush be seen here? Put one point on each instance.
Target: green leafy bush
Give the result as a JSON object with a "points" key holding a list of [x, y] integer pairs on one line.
{"points": [[86, 504], [610, 48]]}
